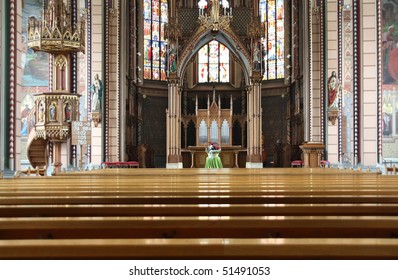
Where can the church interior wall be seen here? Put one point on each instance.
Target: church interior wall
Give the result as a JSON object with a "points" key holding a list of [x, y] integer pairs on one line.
{"points": [[332, 64], [153, 95], [369, 71], [113, 88], [1, 84], [316, 79], [96, 66], [347, 89], [1, 37], [388, 117], [19, 95]]}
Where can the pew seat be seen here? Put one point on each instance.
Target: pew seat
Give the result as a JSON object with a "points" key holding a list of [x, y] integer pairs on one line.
{"points": [[148, 248], [200, 227], [123, 210]]}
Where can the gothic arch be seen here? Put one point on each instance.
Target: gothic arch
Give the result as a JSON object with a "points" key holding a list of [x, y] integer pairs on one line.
{"points": [[224, 36]]}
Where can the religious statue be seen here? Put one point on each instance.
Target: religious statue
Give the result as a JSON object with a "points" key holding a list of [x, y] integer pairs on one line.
{"points": [[42, 111], [172, 59], [257, 57], [53, 111], [333, 89], [96, 89], [386, 124], [68, 109], [215, 10]]}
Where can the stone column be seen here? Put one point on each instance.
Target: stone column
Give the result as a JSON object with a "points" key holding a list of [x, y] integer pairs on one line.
{"points": [[254, 159], [173, 116], [57, 157]]}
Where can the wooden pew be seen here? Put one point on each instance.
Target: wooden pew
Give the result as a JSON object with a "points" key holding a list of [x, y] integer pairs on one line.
{"points": [[200, 227], [123, 210], [96, 209], [269, 248], [207, 199]]}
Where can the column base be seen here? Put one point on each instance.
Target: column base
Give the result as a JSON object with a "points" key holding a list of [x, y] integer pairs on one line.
{"points": [[254, 165], [173, 165]]}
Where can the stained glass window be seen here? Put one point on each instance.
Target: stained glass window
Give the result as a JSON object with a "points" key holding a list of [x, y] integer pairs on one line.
{"points": [[213, 63], [155, 17], [272, 14], [202, 132]]}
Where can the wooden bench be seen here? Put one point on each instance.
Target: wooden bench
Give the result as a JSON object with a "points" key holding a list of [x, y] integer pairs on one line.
{"points": [[223, 214], [148, 248], [111, 210], [199, 227]]}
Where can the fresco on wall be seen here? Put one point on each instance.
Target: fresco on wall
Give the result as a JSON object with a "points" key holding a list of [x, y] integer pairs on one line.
{"points": [[389, 49], [34, 64]]}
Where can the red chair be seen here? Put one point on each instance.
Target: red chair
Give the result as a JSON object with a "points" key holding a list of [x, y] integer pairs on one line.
{"points": [[296, 163]]}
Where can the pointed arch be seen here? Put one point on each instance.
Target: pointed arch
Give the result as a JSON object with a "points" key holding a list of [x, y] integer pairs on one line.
{"points": [[225, 37]]}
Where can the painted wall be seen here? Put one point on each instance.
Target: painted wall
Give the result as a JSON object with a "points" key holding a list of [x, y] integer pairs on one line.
{"points": [[332, 139], [1, 86], [369, 82], [389, 52], [96, 65]]}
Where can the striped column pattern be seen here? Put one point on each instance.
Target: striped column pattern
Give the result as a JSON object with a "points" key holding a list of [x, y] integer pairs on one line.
{"points": [[309, 3], [74, 81], [322, 69], [340, 76], [50, 88], [13, 79], [379, 84], [107, 70], [88, 59], [356, 79], [74, 55], [120, 156]]}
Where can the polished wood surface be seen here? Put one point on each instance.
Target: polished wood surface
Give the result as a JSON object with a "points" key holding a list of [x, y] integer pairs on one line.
{"points": [[200, 213], [264, 248]]}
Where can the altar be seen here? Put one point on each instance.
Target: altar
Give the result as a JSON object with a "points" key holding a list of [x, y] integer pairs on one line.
{"points": [[231, 157], [212, 123]]}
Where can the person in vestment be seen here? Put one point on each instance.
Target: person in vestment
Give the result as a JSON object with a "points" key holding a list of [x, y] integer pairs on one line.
{"points": [[213, 160]]}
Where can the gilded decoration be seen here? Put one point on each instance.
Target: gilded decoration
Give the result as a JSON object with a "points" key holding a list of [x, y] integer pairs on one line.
{"points": [[56, 32], [217, 16]]}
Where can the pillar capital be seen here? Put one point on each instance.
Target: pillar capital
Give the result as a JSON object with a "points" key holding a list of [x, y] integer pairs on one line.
{"points": [[256, 78], [173, 79]]}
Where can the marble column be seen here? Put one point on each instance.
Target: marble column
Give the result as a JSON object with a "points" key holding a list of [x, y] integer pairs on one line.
{"points": [[173, 126], [254, 159]]}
